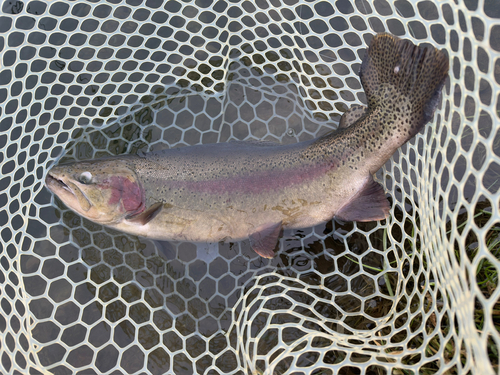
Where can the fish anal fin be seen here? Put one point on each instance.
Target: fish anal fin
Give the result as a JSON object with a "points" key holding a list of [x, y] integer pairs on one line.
{"points": [[369, 204], [265, 238], [352, 115], [147, 215]]}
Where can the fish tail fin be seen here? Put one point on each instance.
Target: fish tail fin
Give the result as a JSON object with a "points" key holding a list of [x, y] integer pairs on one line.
{"points": [[404, 79]]}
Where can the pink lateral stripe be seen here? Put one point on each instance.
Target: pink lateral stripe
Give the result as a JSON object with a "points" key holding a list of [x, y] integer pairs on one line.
{"points": [[270, 180]]}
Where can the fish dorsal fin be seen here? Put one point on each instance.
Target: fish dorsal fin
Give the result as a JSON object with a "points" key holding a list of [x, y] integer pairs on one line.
{"points": [[147, 215], [352, 115], [369, 204], [265, 238]]}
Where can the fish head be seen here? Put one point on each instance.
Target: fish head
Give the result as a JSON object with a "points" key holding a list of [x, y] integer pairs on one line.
{"points": [[105, 191]]}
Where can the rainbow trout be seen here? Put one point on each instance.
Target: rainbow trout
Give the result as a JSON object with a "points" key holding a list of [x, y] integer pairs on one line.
{"points": [[238, 190]]}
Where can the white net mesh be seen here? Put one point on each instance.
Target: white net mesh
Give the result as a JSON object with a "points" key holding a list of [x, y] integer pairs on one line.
{"points": [[414, 294]]}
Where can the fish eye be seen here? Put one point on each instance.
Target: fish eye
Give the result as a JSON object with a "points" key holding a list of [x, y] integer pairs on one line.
{"points": [[85, 177]]}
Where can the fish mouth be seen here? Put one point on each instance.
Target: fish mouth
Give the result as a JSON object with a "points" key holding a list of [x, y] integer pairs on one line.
{"points": [[56, 183], [69, 193]]}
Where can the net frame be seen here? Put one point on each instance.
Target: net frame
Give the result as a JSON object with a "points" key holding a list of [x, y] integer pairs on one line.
{"points": [[431, 255]]}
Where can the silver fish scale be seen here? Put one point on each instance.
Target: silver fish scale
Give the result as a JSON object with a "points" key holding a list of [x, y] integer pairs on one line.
{"points": [[416, 293]]}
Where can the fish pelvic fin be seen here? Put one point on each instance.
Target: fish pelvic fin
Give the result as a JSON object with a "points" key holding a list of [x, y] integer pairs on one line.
{"points": [[403, 79], [265, 239]]}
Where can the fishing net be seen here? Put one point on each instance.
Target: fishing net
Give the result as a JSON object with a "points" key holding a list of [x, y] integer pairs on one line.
{"points": [[414, 294]]}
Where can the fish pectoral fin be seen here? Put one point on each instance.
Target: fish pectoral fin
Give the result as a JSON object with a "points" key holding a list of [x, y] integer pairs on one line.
{"points": [[265, 239], [352, 115], [147, 215], [369, 204]]}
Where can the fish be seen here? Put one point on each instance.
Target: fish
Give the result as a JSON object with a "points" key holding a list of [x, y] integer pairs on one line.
{"points": [[254, 190]]}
